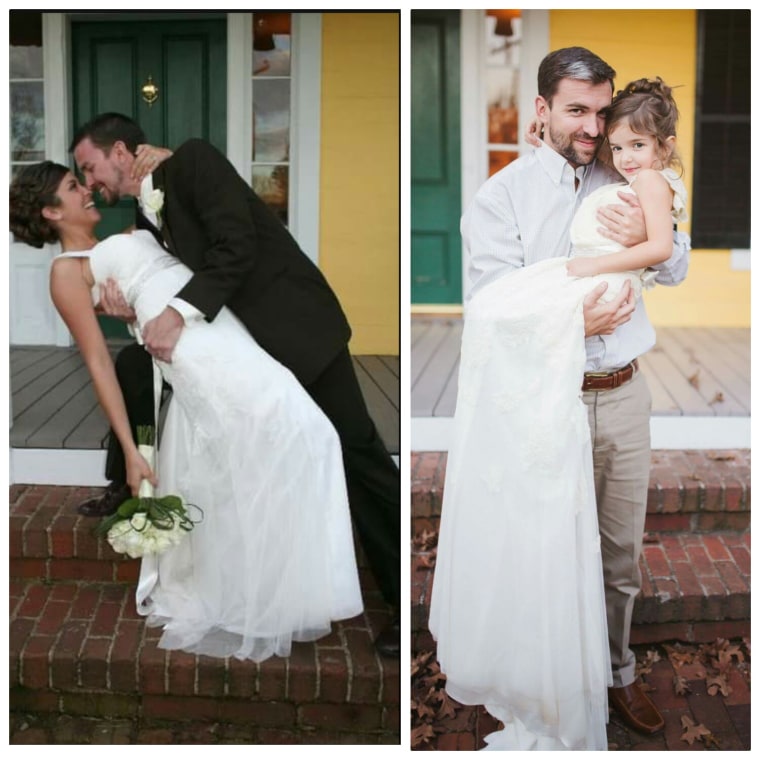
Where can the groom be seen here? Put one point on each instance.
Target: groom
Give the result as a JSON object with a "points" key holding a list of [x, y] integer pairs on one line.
{"points": [[522, 215], [200, 209]]}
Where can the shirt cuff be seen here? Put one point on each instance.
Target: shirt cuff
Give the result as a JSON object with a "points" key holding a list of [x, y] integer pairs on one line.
{"points": [[188, 312]]}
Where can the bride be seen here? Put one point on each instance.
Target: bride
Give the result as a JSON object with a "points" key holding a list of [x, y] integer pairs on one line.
{"points": [[273, 559]]}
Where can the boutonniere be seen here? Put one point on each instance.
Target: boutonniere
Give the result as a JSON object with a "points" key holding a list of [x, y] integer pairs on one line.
{"points": [[154, 202]]}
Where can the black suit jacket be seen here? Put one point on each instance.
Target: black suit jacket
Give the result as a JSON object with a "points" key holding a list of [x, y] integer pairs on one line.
{"points": [[244, 258]]}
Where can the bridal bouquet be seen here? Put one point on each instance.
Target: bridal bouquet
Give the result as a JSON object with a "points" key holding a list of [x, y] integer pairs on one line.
{"points": [[147, 524]]}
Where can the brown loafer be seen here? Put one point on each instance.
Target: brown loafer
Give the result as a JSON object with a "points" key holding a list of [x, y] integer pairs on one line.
{"points": [[106, 504], [636, 709]]}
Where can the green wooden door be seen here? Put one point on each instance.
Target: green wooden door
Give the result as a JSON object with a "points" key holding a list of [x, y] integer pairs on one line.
{"points": [[436, 173], [187, 61]]}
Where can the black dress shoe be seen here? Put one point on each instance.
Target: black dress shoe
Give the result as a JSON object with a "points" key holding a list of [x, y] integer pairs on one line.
{"points": [[388, 642], [106, 504]]}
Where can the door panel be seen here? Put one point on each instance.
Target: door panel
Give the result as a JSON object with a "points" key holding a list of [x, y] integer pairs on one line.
{"points": [[187, 60], [436, 172]]}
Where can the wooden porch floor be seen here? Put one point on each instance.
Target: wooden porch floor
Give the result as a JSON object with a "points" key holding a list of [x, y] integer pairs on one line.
{"points": [[699, 379], [54, 407]]}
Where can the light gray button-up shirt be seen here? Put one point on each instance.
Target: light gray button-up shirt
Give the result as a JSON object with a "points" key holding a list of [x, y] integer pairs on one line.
{"points": [[522, 215]]}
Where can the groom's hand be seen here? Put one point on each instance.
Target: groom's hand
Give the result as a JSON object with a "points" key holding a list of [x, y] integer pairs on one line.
{"points": [[161, 334], [604, 318]]}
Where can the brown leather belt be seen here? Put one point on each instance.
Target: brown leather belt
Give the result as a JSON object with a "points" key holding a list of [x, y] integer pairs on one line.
{"points": [[606, 381]]}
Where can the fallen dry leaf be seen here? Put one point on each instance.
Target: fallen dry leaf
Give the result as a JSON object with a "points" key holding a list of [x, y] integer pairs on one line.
{"points": [[694, 379], [427, 560], [680, 685], [426, 540], [717, 684], [718, 457], [421, 735], [693, 732], [716, 399]]}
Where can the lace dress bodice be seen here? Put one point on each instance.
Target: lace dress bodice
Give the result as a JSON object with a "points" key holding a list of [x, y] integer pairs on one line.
{"points": [[133, 260]]}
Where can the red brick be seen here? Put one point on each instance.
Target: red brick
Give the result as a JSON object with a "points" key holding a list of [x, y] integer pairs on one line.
{"points": [[734, 495], [34, 700], [62, 535], [267, 714], [273, 679], [735, 583], [302, 673], [64, 666], [96, 705], [722, 521], [76, 569], [52, 617], [458, 741], [365, 680], [727, 629], [242, 679], [86, 602], [173, 707], [651, 633], [105, 619], [700, 562], [124, 658], [211, 676], [181, 673], [673, 548], [16, 535], [95, 662], [656, 561], [714, 607], [740, 692], [34, 662], [668, 522], [333, 675], [152, 668], [742, 559], [35, 599], [350, 716], [28, 568]]}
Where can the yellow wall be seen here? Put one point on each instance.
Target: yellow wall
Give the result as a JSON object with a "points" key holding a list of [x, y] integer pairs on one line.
{"points": [[648, 43], [359, 178]]}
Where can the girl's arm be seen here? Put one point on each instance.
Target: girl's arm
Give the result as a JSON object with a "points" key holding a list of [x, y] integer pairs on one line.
{"points": [[71, 296], [656, 200]]}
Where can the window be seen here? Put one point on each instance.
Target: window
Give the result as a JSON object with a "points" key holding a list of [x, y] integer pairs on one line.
{"points": [[721, 204], [27, 113], [271, 81], [503, 35]]}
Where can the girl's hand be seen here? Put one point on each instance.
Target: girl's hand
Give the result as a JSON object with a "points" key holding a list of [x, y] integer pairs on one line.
{"points": [[582, 266], [137, 471], [533, 131], [147, 159]]}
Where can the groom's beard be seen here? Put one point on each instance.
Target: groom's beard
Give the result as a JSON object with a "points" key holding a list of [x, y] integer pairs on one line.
{"points": [[109, 196], [563, 144]]}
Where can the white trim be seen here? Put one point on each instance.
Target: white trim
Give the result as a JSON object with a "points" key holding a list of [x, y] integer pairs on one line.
{"points": [[436, 433], [239, 94], [740, 260], [59, 467], [305, 132]]}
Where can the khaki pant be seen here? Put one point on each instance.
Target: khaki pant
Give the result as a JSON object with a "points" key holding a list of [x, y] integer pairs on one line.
{"points": [[619, 423]]}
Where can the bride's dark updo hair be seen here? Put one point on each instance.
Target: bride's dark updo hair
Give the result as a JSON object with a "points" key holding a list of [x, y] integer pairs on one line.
{"points": [[33, 188]]}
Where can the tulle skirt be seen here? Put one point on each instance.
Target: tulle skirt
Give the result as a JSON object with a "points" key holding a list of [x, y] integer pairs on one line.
{"points": [[518, 606]]}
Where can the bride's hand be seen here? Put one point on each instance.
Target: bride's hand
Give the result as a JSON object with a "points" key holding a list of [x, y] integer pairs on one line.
{"points": [[113, 304], [147, 159], [137, 471]]}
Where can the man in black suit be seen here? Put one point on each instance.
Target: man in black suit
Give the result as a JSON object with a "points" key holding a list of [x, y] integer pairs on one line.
{"points": [[200, 209]]}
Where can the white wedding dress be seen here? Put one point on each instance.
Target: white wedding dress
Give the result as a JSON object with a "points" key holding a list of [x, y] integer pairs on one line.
{"points": [[272, 560], [518, 608]]}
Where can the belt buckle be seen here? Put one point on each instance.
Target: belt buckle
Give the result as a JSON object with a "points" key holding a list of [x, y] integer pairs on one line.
{"points": [[597, 374]]}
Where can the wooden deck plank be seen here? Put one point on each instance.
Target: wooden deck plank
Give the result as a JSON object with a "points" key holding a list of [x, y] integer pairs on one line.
{"points": [[699, 369], [36, 372], [392, 362], [382, 411], [32, 391], [383, 377], [430, 340], [729, 369], [430, 385], [22, 358], [57, 429], [28, 423], [663, 402], [90, 433], [447, 404]]}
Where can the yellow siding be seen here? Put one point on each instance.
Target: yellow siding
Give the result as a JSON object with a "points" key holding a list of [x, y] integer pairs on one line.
{"points": [[648, 43], [359, 178]]}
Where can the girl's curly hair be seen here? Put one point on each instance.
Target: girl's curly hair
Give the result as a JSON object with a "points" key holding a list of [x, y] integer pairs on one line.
{"points": [[33, 188], [650, 109]]}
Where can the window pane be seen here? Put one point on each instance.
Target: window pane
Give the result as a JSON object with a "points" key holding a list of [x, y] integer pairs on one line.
{"points": [[26, 45], [27, 122], [498, 159], [502, 105], [271, 44], [271, 120], [270, 183], [503, 36]]}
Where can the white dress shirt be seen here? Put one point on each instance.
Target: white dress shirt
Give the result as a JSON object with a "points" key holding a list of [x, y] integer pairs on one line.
{"points": [[522, 215], [187, 311]]}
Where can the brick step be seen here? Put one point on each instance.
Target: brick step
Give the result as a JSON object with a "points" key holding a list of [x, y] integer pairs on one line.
{"points": [[79, 647], [695, 587], [693, 491]]}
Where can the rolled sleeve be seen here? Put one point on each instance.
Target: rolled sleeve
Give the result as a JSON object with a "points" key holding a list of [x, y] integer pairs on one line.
{"points": [[674, 270]]}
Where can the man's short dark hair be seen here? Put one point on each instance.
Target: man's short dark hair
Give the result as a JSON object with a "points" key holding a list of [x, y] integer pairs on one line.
{"points": [[107, 128], [572, 63]]}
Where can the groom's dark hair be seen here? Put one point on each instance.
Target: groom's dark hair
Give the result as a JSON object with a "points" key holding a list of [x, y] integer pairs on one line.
{"points": [[106, 129], [572, 63]]}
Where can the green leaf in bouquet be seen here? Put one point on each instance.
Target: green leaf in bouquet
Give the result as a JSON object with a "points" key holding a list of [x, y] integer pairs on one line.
{"points": [[146, 435]]}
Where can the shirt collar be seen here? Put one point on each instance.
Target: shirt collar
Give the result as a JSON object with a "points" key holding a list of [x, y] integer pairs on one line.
{"points": [[556, 165]]}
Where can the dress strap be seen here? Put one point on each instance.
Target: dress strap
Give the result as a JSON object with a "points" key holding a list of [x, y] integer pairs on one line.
{"points": [[73, 255]]}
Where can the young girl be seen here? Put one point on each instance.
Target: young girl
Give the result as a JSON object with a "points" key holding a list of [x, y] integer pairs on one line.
{"points": [[519, 571]]}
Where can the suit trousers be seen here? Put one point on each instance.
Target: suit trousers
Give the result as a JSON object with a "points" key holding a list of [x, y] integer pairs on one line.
{"points": [[372, 478], [619, 424]]}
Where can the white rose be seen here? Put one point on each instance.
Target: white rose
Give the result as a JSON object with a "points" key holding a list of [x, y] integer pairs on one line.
{"points": [[153, 201]]}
